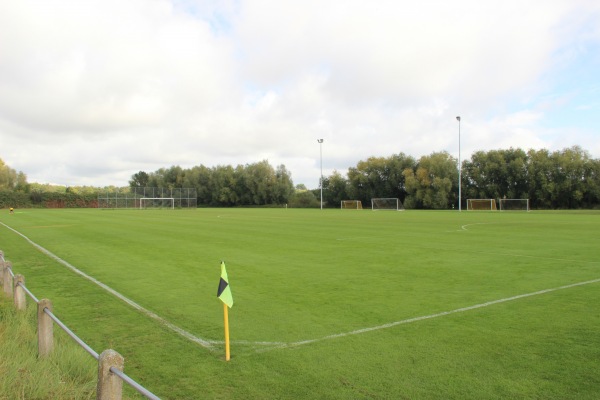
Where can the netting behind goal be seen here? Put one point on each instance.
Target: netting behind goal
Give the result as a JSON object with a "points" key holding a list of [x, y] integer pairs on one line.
{"points": [[157, 202], [393, 204], [138, 197], [351, 205], [481, 204], [514, 204]]}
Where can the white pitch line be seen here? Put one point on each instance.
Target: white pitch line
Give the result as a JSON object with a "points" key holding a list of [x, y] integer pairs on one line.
{"points": [[281, 345], [464, 227], [425, 317], [202, 342]]}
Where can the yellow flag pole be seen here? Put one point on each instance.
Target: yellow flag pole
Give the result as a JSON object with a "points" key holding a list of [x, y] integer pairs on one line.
{"points": [[226, 318]]}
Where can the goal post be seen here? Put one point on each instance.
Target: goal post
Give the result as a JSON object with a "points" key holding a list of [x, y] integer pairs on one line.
{"points": [[514, 204], [390, 203], [351, 205], [481, 204], [157, 202]]}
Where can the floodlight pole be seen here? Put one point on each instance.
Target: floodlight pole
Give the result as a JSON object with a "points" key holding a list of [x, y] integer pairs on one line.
{"points": [[459, 168], [321, 154]]}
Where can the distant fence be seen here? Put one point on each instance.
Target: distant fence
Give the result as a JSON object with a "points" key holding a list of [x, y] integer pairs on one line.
{"points": [[110, 363], [138, 197]]}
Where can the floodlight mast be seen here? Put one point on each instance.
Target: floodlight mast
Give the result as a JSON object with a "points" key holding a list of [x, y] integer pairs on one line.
{"points": [[321, 181], [459, 167]]}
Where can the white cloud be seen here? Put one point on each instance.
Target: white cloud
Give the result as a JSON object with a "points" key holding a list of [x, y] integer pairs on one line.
{"points": [[92, 92]]}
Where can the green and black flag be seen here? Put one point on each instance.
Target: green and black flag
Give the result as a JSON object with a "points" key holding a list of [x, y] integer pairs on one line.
{"points": [[224, 292]]}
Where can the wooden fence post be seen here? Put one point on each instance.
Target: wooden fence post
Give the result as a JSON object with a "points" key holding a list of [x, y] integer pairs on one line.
{"points": [[45, 329], [110, 386], [7, 279], [20, 299]]}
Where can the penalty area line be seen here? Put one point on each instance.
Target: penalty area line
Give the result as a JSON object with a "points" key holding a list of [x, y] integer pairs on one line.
{"points": [[425, 317], [202, 342]]}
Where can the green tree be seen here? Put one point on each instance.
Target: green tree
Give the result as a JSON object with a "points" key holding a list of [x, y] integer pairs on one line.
{"points": [[430, 184], [496, 174], [335, 189], [11, 179], [223, 186], [139, 179], [379, 177], [284, 186]]}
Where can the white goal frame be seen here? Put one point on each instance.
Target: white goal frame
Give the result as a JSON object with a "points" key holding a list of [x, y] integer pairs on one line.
{"points": [[503, 202], [172, 199], [351, 205], [491, 202], [394, 203]]}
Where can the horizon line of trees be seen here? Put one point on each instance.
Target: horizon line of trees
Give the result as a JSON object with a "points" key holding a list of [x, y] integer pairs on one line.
{"points": [[569, 178], [565, 179]]}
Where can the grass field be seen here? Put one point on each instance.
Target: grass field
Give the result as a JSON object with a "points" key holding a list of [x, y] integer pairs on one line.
{"points": [[329, 304]]}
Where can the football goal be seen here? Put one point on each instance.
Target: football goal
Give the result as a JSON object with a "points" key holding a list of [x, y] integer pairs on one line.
{"points": [[514, 204], [481, 204], [393, 204], [351, 205], [157, 202]]}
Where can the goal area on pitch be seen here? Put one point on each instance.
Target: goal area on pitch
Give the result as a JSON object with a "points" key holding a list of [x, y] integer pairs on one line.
{"points": [[351, 205], [514, 204], [149, 198], [481, 204], [390, 203]]}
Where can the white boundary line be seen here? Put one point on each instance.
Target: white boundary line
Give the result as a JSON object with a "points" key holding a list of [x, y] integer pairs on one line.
{"points": [[281, 345], [416, 319], [202, 342]]}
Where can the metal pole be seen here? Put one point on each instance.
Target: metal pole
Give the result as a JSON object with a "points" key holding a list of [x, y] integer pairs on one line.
{"points": [[321, 154], [459, 169]]}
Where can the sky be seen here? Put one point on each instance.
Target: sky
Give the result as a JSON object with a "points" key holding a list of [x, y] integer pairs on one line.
{"points": [[92, 92]]}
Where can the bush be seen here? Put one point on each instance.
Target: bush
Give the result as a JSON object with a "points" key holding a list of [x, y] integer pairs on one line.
{"points": [[303, 199]]}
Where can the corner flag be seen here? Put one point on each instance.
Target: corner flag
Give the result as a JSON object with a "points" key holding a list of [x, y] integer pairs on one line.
{"points": [[224, 292]]}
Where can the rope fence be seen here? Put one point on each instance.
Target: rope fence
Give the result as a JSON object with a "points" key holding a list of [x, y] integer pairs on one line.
{"points": [[110, 363]]}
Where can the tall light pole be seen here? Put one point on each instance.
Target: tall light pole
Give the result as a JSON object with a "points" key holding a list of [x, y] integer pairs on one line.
{"points": [[459, 167], [321, 153]]}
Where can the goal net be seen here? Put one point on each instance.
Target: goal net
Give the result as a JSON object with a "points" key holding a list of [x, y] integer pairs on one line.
{"points": [[514, 204], [157, 202], [481, 204], [387, 204], [351, 205]]}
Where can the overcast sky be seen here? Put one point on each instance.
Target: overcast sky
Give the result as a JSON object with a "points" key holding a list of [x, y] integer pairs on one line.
{"points": [[93, 91]]}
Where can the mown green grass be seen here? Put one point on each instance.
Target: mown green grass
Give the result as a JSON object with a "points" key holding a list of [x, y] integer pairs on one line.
{"points": [[304, 275]]}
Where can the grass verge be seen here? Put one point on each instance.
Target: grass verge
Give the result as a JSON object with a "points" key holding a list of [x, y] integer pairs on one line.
{"points": [[68, 373]]}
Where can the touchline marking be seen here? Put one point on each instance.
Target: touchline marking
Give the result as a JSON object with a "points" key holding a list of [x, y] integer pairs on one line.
{"points": [[416, 319], [202, 342]]}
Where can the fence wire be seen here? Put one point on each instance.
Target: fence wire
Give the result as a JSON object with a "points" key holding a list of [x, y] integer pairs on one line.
{"points": [[139, 388]]}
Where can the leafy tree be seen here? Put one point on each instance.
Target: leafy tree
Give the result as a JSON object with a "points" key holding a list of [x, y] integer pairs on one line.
{"points": [[284, 186], [335, 189], [496, 174], [379, 177], [139, 179], [223, 186], [430, 184], [11, 179]]}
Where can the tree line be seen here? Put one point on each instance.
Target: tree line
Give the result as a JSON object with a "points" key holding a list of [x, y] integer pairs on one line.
{"points": [[564, 179], [257, 184]]}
